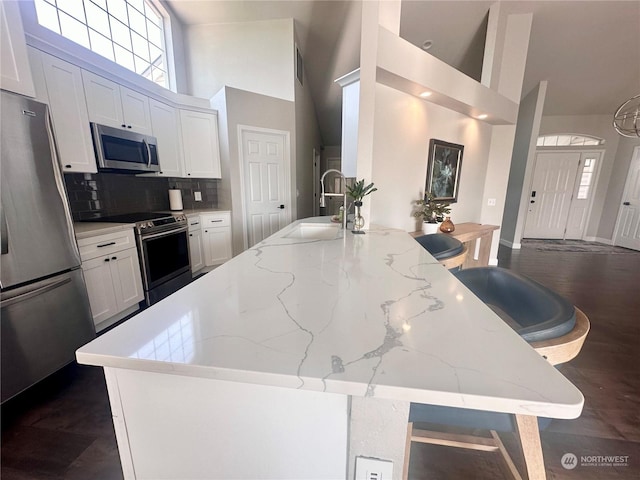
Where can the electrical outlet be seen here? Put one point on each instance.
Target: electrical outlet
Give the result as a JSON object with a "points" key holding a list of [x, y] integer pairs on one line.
{"points": [[491, 202], [373, 469], [197, 196]]}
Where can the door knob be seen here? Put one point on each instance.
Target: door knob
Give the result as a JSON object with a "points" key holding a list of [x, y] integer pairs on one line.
{"points": [[626, 203], [281, 207]]}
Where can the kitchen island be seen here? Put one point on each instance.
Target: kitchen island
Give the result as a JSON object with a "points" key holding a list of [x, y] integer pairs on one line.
{"points": [[304, 352]]}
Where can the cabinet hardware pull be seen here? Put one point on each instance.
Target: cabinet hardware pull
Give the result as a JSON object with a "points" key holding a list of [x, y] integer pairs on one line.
{"points": [[114, 258], [191, 234], [215, 221], [106, 244], [106, 259], [67, 166], [123, 125]]}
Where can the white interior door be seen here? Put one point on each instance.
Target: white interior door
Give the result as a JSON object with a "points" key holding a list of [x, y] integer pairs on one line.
{"points": [[265, 187], [628, 225], [551, 191]]}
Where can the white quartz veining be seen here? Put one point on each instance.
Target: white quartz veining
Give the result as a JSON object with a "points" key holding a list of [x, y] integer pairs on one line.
{"points": [[364, 315]]}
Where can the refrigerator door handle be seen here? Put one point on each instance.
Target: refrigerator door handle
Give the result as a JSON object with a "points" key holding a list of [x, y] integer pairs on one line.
{"points": [[27, 294], [4, 234]]}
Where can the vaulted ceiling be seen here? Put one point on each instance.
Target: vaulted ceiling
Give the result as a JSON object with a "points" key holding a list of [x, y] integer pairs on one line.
{"points": [[588, 51]]}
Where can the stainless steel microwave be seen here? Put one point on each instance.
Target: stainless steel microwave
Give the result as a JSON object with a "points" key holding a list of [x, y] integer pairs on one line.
{"points": [[123, 150]]}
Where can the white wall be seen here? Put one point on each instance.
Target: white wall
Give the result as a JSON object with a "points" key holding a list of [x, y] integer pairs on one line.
{"points": [[404, 124], [521, 167], [598, 126], [307, 137], [251, 109], [252, 56]]}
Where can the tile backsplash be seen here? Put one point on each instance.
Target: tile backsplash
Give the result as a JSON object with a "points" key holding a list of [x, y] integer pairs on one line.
{"points": [[93, 195]]}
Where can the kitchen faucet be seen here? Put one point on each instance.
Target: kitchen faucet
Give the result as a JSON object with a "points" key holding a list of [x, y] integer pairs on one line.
{"points": [[323, 203]]}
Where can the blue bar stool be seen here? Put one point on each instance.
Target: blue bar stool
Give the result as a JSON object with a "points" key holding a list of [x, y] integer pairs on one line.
{"points": [[450, 251], [552, 326]]}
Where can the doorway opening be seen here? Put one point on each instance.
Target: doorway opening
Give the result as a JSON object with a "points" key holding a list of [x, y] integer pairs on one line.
{"points": [[561, 194]]}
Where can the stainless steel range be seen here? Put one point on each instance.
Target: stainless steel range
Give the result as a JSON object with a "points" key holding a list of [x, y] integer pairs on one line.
{"points": [[163, 248]]}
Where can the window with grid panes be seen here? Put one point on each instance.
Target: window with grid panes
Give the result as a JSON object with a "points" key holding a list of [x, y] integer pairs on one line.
{"points": [[128, 32]]}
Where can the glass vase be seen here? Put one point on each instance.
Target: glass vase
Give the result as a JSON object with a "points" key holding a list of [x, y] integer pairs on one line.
{"points": [[358, 220]]}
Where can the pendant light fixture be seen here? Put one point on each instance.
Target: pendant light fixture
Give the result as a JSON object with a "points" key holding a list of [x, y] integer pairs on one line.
{"points": [[626, 120]]}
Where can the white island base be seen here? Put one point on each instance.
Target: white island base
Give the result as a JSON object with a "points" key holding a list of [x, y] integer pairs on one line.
{"points": [[176, 427]]}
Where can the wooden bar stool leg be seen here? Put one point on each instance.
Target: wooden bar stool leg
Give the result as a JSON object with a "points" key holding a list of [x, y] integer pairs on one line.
{"points": [[527, 430], [407, 452]]}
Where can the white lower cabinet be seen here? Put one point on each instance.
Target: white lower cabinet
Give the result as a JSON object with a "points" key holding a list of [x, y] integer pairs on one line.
{"points": [[216, 235], [112, 276], [196, 247]]}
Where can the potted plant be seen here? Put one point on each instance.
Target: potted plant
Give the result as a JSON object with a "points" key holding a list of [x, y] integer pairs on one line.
{"points": [[431, 212], [358, 191]]}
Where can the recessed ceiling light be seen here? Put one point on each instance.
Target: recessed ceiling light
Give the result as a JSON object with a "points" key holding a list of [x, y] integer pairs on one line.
{"points": [[482, 117], [427, 44], [425, 94]]}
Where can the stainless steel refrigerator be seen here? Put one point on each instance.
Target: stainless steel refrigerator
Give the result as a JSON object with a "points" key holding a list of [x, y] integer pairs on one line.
{"points": [[45, 313]]}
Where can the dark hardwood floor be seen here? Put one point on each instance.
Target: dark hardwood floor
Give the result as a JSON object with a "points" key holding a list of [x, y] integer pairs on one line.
{"points": [[61, 428]]}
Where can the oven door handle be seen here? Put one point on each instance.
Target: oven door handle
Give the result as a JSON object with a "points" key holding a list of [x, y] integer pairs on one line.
{"points": [[162, 234], [146, 145]]}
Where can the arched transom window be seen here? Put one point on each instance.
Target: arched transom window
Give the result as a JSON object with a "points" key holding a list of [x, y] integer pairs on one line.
{"points": [[568, 140], [128, 32]]}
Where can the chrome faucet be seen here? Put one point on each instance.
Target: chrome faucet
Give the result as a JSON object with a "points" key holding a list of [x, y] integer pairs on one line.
{"points": [[323, 202]]}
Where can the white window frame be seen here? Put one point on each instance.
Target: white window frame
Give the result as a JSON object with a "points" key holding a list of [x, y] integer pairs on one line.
{"points": [[44, 39], [547, 140]]}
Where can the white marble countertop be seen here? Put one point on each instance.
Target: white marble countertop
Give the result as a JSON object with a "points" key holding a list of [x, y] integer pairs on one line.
{"points": [[91, 229], [365, 315]]}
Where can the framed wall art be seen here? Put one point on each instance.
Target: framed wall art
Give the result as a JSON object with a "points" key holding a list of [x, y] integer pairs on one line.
{"points": [[443, 170]]}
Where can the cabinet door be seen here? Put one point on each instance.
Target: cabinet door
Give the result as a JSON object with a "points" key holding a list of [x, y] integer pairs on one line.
{"points": [[102, 296], [196, 250], [37, 73], [15, 74], [103, 100], [135, 110], [69, 114], [200, 143], [217, 245], [127, 281], [165, 125]]}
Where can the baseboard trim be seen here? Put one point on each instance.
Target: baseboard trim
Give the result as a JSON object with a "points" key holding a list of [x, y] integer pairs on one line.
{"points": [[508, 244], [606, 241]]}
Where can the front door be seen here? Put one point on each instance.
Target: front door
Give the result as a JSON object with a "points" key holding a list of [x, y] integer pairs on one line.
{"points": [[628, 226], [265, 189], [551, 191]]}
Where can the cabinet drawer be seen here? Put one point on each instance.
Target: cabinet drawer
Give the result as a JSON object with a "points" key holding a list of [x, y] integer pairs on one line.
{"points": [[195, 223], [105, 244], [212, 220]]}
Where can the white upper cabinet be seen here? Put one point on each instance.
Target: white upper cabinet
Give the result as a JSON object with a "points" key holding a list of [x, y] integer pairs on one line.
{"points": [[15, 74], [116, 106], [165, 124], [200, 144], [69, 113]]}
